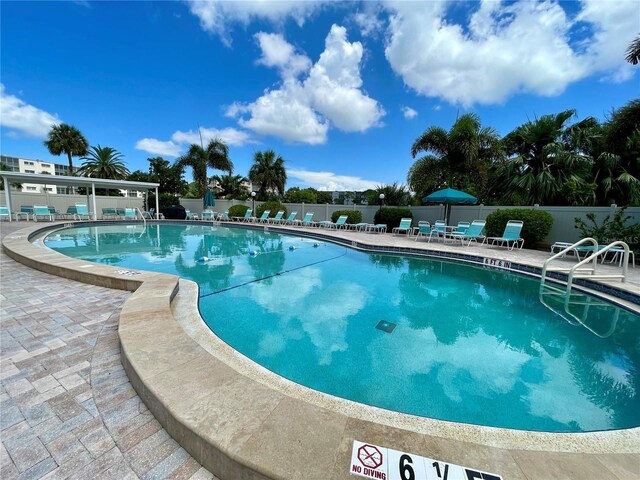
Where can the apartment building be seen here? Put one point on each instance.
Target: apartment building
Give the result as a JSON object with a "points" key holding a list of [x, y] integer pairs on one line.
{"points": [[24, 165]]}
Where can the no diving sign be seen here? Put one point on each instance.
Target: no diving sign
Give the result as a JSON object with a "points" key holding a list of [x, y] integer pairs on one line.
{"points": [[372, 461]]}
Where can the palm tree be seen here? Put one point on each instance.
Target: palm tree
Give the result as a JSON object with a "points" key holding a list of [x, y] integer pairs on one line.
{"points": [[460, 158], [104, 162], [67, 139], [233, 186], [268, 171], [633, 52], [216, 155], [546, 161]]}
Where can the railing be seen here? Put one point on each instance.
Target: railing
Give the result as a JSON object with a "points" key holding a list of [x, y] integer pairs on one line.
{"points": [[598, 253], [144, 220]]}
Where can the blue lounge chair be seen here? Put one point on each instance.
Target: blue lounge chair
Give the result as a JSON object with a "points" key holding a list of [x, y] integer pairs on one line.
{"points": [[376, 227], [291, 219], [42, 211], [5, 213], [109, 213], [510, 236], [224, 215], [81, 211], [130, 214], [25, 211], [339, 223], [307, 221], [277, 218], [208, 215], [405, 226], [360, 226], [424, 229], [439, 229], [191, 216], [246, 218], [472, 233], [263, 218], [150, 214]]}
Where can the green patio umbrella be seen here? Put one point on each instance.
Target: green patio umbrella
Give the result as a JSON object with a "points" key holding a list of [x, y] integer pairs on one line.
{"points": [[208, 200], [450, 196]]}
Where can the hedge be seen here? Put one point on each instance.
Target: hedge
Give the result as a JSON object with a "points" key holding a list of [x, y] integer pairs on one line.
{"points": [[272, 205], [354, 216], [536, 224], [237, 210], [391, 216]]}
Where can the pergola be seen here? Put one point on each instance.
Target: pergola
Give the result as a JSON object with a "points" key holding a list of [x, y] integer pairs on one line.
{"points": [[44, 179]]}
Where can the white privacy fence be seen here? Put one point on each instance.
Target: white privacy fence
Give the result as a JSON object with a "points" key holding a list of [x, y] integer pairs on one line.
{"points": [[563, 229]]}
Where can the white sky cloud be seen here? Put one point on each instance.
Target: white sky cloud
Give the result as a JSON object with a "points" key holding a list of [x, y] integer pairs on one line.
{"points": [[151, 145], [230, 136], [409, 113], [216, 17], [18, 115], [505, 48], [329, 181], [302, 110]]}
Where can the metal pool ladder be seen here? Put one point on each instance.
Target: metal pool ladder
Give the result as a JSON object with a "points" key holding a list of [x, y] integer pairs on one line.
{"points": [[566, 298]]}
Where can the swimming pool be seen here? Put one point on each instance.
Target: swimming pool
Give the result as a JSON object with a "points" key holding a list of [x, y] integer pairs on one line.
{"points": [[467, 345]]}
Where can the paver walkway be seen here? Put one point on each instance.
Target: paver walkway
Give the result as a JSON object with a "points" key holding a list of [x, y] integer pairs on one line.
{"points": [[67, 409]]}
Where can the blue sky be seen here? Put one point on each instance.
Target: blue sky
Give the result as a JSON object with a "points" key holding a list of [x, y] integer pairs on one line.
{"points": [[339, 89]]}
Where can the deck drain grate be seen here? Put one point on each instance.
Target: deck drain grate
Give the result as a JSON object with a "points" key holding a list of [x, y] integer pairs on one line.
{"points": [[385, 326]]}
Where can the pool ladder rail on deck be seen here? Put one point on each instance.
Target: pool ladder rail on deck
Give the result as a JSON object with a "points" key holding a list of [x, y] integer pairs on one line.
{"points": [[585, 268]]}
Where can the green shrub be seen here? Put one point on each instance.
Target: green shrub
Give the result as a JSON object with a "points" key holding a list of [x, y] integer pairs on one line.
{"points": [[272, 205], [536, 224], [391, 216], [611, 229], [354, 216], [237, 210], [165, 200]]}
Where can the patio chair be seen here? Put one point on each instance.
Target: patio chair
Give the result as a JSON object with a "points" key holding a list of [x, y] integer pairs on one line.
{"points": [[149, 214], [376, 227], [307, 221], [439, 229], [54, 212], [472, 233], [263, 218], [108, 213], [405, 226], [424, 229], [339, 223], [5, 213], [130, 214], [291, 219], [246, 218], [277, 218], [120, 213], [42, 211], [223, 216], [511, 235], [208, 215], [359, 226], [81, 211], [191, 216], [25, 211], [459, 229]]}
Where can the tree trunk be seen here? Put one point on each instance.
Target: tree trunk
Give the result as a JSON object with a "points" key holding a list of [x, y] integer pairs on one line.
{"points": [[70, 163]]}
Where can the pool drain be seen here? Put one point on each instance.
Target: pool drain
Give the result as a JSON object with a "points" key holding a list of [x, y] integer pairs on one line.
{"points": [[385, 326]]}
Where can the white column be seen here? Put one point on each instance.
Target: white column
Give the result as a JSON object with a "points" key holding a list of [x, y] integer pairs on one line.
{"points": [[93, 193], [7, 195], [157, 205]]}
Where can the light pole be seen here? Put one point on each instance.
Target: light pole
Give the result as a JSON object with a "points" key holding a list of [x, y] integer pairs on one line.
{"points": [[381, 201], [253, 203]]}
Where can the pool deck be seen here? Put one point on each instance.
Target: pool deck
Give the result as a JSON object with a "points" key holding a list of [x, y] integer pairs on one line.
{"points": [[238, 419]]}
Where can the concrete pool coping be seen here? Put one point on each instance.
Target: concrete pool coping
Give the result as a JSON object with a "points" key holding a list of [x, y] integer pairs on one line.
{"points": [[227, 411]]}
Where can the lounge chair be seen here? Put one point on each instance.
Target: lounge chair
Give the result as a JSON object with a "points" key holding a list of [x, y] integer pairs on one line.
{"points": [[109, 213], [511, 235], [277, 218], [208, 215], [405, 226], [291, 219], [424, 229], [81, 210], [307, 221], [360, 226], [472, 233], [150, 214], [5, 213], [191, 216], [339, 223], [54, 212], [25, 211], [130, 214], [460, 228], [376, 227], [263, 218], [246, 218], [42, 211], [439, 229], [224, 215]]}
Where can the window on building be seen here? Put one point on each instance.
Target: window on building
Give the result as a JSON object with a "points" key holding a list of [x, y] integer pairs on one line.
{"points": [[45, 165], [32, 189], [29, 171]]}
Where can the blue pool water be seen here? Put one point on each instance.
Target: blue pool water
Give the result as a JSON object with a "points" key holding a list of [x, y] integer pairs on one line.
{"points": [[462, 343]]}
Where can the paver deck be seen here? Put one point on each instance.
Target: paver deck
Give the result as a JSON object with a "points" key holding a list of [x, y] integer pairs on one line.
{"points": [[67, 408], [226, 409]]}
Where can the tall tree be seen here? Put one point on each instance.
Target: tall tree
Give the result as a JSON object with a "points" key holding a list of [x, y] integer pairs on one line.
{"points": [[269, 173], [216, 156], [104, 162], [233, 186], [633, 52], [545, 162], [459, 158], [63, 138]]}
